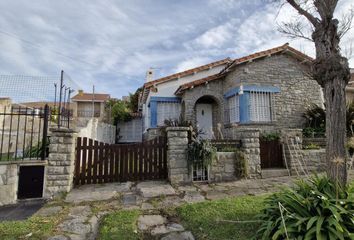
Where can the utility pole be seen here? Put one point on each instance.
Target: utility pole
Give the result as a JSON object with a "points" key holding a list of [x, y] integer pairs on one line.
{"points": [[93, 101], [60, 93]]}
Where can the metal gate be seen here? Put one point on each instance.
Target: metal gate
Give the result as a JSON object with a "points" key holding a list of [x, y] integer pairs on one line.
{"points": [[271, 154], [97, 162]]}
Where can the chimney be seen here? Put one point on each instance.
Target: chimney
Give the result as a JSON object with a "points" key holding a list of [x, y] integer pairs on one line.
{"points": [[149, 75], [81, 92]]}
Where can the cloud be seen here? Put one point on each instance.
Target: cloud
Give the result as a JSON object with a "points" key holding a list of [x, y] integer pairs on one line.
{"points": [[112, 43]]}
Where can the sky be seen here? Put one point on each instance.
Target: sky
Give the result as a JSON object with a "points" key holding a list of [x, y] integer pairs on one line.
{"points": [[112, 43]]}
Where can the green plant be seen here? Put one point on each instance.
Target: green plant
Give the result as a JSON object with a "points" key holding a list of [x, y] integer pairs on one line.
{"points": [[315, 117], [180, 122], [270, 136], [311, 146], [228, 149], [200, 152], [35, 151], [312, 209], [120, 110]]}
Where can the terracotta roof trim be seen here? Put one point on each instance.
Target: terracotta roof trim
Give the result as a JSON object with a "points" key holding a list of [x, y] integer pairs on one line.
{"points": [[198, 82], [97, 97], [187, 72], [268, 52]]}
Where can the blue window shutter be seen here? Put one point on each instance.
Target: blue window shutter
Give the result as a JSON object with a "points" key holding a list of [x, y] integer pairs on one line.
{"points": [[244, 113], [153, 116]]}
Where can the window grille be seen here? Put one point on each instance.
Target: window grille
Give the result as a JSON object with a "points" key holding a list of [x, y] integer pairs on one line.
{"points": [[166, 111], [260, 107], [234, 109], [200, 172]]}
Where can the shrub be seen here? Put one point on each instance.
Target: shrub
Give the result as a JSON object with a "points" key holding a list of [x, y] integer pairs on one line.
{"points": [[312, 209], [270, 136]]}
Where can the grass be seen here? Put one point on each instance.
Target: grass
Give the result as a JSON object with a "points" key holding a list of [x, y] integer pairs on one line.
{"points": [[120, 225], [203, 219], [33, 228]]}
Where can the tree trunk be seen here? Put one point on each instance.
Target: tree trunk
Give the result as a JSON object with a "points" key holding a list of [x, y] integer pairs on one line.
{"points": [[334, 92], [331, 71]]}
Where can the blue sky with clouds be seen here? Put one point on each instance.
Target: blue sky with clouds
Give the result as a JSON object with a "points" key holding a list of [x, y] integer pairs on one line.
{"points": [[111, 43]]}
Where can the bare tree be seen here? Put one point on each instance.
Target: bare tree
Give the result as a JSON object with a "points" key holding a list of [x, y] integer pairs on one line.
{"points": [[330, 69]]}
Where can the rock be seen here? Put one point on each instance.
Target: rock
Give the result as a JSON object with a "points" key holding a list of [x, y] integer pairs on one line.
{"points": [[179, 236], [147, 221], [48, 211], [171, 201], [192, 197], [147, 206], [94, 192], [58, 237], [159, 230], [155, 189], [174, 227], [129, 199], [80, 211], [75, 226], [187, 188]]}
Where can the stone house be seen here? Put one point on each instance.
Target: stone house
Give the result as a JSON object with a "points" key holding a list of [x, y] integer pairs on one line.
{"points": [[268, 90]]}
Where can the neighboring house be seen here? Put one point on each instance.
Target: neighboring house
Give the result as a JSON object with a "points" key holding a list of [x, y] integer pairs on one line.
{"points": [[269, 90], [89, 105]]}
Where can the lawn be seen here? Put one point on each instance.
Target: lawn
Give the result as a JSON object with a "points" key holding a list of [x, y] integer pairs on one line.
{"points": [[120, 225], [208, 220], [32, 228]]}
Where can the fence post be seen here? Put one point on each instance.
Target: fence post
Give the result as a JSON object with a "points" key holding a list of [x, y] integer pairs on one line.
{"points": [[45, 132], [61, 161], [177, 145]]}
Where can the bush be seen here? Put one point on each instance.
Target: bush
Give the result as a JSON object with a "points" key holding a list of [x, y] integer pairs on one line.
{"points": [[313, 209]]}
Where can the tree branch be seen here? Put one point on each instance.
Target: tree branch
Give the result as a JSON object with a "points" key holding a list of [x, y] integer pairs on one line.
{"points": [[303, 12], [293, 30], [346, 22]]}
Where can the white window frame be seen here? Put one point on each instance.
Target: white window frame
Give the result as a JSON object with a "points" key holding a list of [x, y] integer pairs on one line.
{"points": [[167, 111], [233, 104], [261, 107]]}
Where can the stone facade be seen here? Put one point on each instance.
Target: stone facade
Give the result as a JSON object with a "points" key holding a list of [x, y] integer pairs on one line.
{"points": [[223, 168], [214, 90], [297, 91], [60, 170], [152, 133], [177, 145]]}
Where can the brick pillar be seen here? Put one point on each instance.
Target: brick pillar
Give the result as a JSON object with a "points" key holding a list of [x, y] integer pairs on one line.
{"points": [[177, 144], [61, 160], [250, 145]]}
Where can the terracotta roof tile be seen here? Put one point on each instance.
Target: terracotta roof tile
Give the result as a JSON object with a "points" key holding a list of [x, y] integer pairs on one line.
{"points": [[99, 97], [187, 72], [268, 52]]}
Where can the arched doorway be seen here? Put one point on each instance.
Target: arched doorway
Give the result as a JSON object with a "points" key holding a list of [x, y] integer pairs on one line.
{"points": [[206, 114]]}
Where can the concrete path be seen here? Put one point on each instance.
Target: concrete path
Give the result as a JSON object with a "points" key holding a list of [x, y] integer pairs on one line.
{"points": [[21, 210]]}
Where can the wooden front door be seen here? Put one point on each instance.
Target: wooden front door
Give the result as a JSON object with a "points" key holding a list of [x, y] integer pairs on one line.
{"points": [[271, 154]]}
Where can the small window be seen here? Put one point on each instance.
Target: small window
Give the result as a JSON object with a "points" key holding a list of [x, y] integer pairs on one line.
{"points": [[260, 107], [233, 109]]}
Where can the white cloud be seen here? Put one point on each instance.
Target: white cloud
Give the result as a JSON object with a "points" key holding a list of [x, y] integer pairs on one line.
{"points": [[192, 63]]}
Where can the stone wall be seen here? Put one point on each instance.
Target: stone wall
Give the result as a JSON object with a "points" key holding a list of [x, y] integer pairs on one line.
{"points": [[60, 170], [223, 168], [177, 145], [8, 183], [301, 161], [250, 146]]}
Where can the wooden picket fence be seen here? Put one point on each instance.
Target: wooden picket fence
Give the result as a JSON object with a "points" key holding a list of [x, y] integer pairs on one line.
{"points": [[97, 162]]}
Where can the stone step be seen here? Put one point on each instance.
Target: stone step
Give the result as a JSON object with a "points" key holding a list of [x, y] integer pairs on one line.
{"points": [[274, 172]]}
